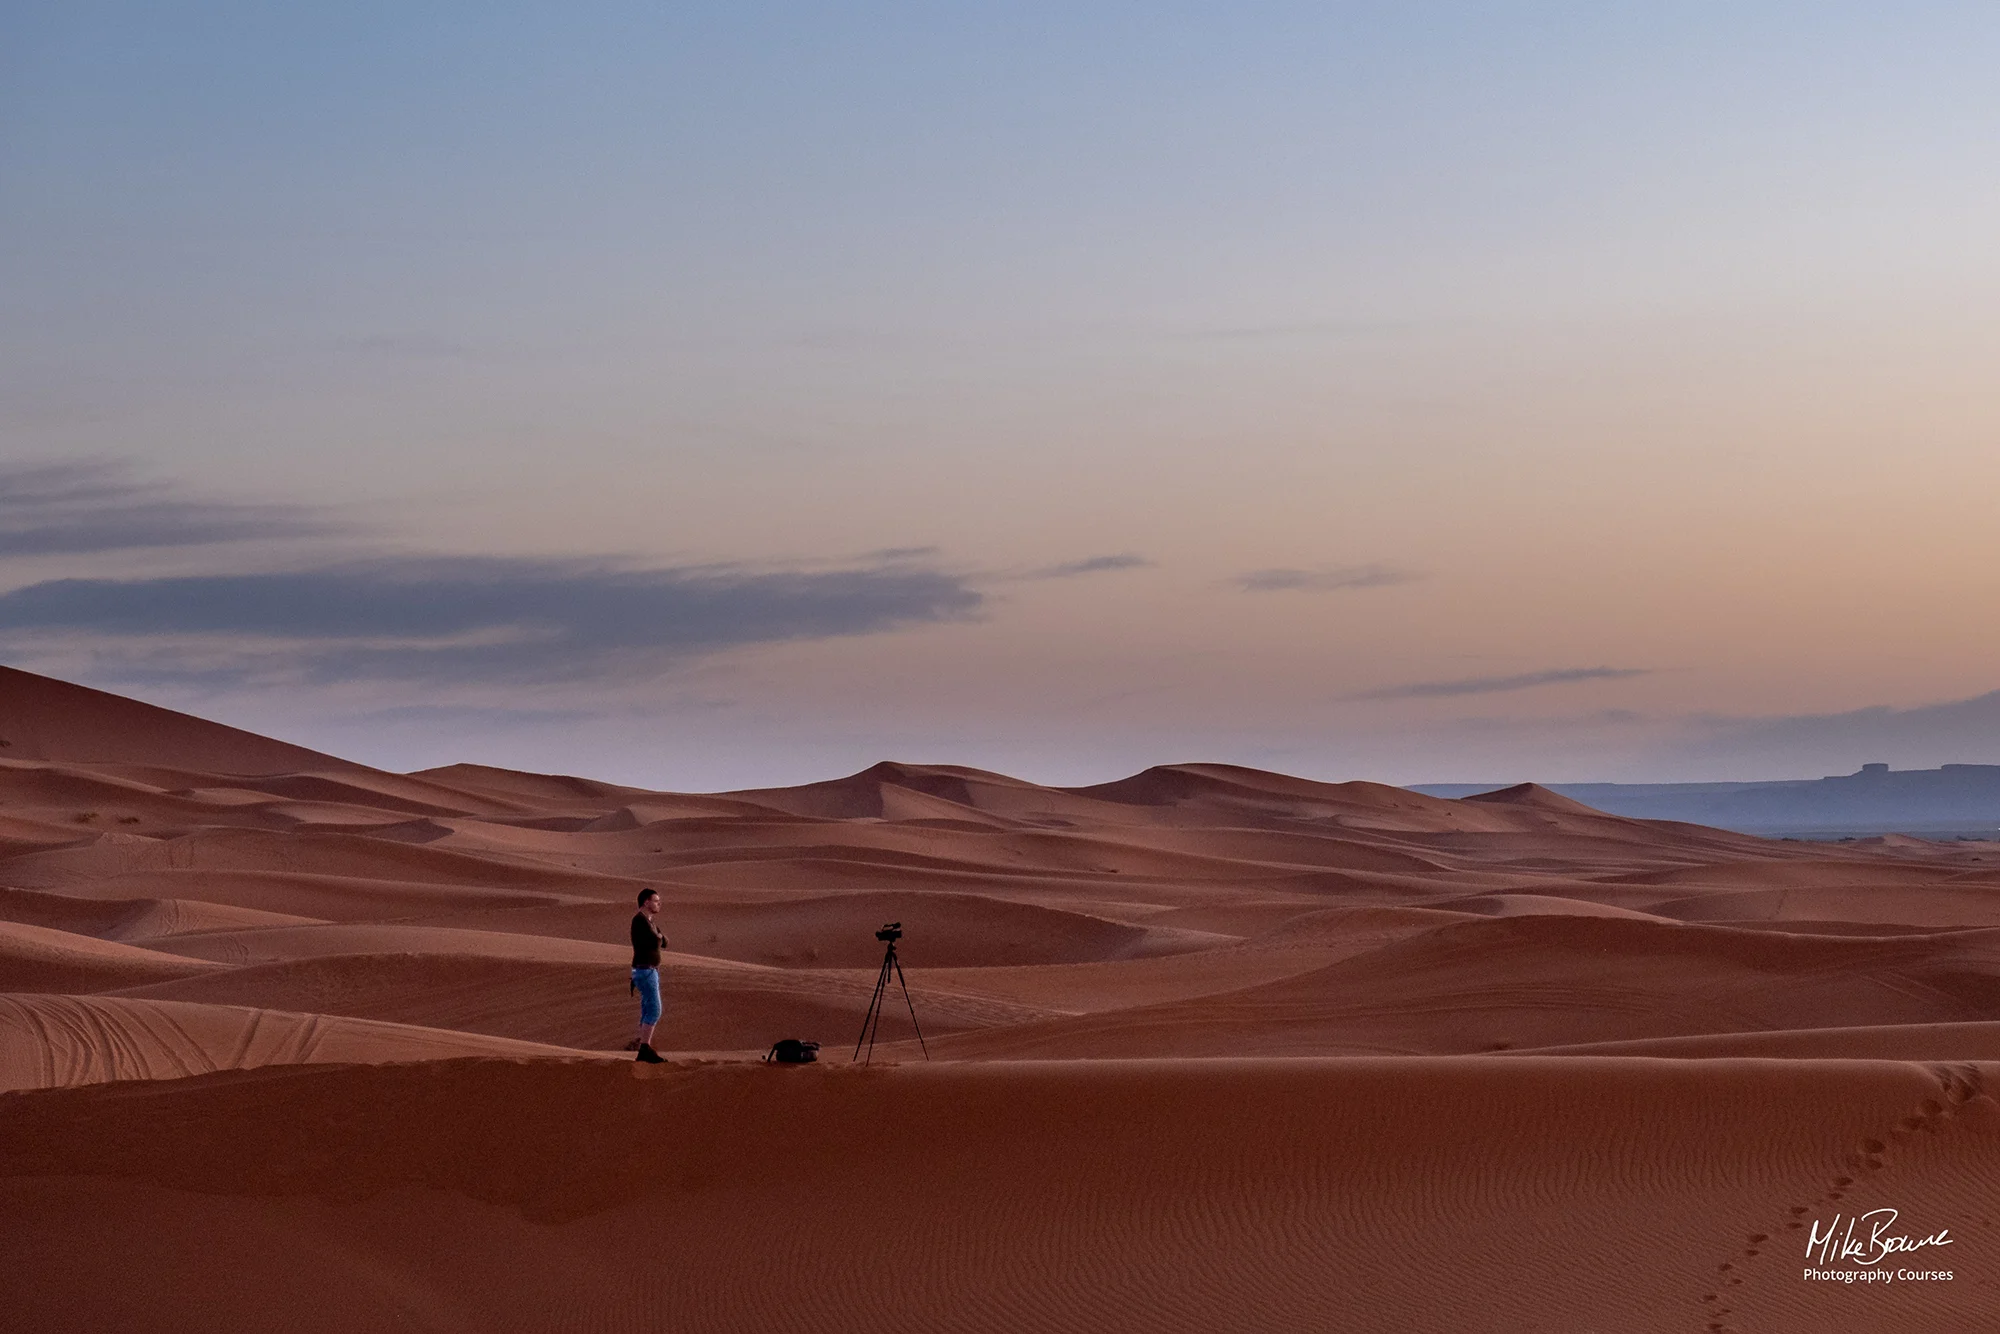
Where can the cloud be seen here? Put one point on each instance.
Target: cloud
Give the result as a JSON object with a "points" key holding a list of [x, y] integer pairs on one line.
{"points": [[1325, 579], [75, 508], [1494, 685], [1956, 731], [468, 619], [1092, 565]]}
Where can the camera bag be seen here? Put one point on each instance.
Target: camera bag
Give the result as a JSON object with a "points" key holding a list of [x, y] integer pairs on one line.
{"points": [[792, 1051]]}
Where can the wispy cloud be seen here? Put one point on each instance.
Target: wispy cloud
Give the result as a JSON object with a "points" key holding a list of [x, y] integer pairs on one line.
{"points": [[466, 619], [1326, 578], [1092, 565], [76, 508], [1956, 731], [1495, 685]]}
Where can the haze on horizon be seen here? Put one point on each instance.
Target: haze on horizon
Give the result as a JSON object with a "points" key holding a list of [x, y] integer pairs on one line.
{"points": [[712, 397]]}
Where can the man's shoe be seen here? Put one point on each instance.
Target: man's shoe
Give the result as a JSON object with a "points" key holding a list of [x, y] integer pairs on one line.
{"points": [[648, 1055]]}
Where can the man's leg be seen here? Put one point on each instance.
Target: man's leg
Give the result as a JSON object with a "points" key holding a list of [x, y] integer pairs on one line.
{"points": [[649, 1010]]}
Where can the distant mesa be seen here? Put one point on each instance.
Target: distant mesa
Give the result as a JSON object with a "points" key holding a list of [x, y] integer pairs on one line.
{"points": [[1954, 800]]}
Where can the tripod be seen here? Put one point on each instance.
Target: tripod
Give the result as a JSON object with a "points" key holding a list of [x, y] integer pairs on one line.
{"points": [[871, 1023]]}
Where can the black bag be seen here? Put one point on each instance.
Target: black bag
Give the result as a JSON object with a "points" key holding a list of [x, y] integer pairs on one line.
{"points": [[791, 1051]]}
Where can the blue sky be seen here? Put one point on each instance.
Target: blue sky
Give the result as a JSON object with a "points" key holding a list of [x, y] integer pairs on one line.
{"points": [[720, 395]]}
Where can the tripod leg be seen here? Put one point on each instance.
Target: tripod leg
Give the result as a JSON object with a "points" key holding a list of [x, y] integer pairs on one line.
{"points": [[881, 990], [912, 1004], [873, 1018], [868, 1016]]}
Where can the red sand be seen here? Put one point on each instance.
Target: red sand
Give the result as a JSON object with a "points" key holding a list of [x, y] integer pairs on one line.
{"points": [[298, 1044]]}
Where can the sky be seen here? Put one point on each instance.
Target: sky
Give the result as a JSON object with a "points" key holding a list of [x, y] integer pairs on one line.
{"points": [[707, 396]]}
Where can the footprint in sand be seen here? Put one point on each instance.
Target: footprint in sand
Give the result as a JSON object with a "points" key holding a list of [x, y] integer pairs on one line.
{"points": [[1871, 1155]]}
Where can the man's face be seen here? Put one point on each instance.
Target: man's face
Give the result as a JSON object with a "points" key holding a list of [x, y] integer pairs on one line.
{"points": [[651, 907]]}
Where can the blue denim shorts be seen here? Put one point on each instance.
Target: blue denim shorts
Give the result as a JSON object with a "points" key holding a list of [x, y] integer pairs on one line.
{"points": [[647, 980]]}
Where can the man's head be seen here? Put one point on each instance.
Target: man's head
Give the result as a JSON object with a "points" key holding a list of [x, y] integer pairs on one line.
{"points": [[649, 901]]}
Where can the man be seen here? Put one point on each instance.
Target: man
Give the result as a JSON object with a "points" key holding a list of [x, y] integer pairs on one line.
{"points": [[647, 942]]}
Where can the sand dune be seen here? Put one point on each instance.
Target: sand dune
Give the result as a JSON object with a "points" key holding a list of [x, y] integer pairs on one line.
{"points": [[713, 1006], [1427, 1194], [39, 958], [871, 794], [132, 919], [1516, 905], [1974, 1041], [263, 850], [318, 940], [837, 930], [1539, 980], [45, 719], [1098, 903], [1080, 988], [61, 1041], [326, 896], [344, 1048], [1936, 905], [539, 791]]}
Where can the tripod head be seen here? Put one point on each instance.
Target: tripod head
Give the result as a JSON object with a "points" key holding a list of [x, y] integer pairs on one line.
{"points": [[891, 933]]}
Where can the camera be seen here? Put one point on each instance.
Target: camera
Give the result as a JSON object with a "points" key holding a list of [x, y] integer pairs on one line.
{"points": [[890, 933]]}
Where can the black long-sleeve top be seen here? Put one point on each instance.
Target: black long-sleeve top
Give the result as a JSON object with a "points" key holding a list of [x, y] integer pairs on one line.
{"points": [[646, 942]]}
